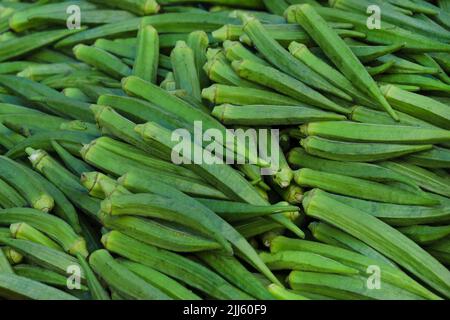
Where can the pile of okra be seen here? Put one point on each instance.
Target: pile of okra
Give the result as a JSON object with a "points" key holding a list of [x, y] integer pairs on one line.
{"points": [[92, 205]]}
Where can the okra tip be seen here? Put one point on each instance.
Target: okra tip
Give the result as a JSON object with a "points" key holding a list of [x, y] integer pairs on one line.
{"points": [[222, 33], [35, 156], [15, 228], [219, 111], [89, 179]]}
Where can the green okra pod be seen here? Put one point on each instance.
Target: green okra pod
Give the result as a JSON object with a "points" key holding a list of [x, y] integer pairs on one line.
{"points": [[424, 178], [185, 69], [140, 7], [52, 226], [98, 292], [74, 164], [333, 236], [176, 266], [360, 188], [147, 53], [281, 58], [304, 261], [374, 70], [425, 235], [435, 158], [285, 84], [268, 115], [102, 60], [282, 294], [301, 159], [18, 177], [367, 132], [198, 41], [341, 55], [369, 53], [24, 231], [159, 234], [220, 94], [358, 152], [381, 237], [234, 50], [128, 284], [17, 287], [424, 83], [159, 280]]}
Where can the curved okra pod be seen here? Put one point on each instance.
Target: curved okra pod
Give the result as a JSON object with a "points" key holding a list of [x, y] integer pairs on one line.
{"points": [[399, 215], [159, 280], [128, 284], [220, 94], [282, 59], [237, 211], [52, 226], [176, 266], [418, 106], [424, 178], [381, 237], [147, 53], [424, 83], [234, 50], [140, 7], [435, 158], [301, 159], [231, 269], [65, 181], [159, 234], [305, 261], [359, 152], [23, 231], [425, 235], [102, 60], [285, 84], [359, 188], [14, 286], [341, 55], [268, 115], [43, 256], [19, 178], [380, 69], [367, 132], [333, 236], [220, 71]]}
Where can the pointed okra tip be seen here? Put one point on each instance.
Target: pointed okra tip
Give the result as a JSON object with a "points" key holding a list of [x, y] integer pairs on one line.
{"points": [[210, 93]]}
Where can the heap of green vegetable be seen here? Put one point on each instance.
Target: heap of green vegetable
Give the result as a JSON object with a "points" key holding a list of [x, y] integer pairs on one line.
{"points": [[92, 207]]}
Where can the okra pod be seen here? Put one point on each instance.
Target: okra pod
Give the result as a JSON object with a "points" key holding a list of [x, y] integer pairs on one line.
{"points": [[285, 84], [147, 53], [256, 226], [305, 261], [43, 256], [380, 69], [17, 177], [140, 7], [234, 50], [341, 55], [357, 152], [425, 235], [176, 266], [282, 294], [367, 132], [198, 41], [279, 57], [5, 266], [370, 53], [333, 236], [125, 282], [102, 60], [24, 231], [260, 115], [232, 270], [219, 94], [299, 158], [54, 227], [9, 197], [96, 289], [424, 83], [359, 188], [17, 287], [72, 163], [159, 234], [435, 158], [159, 280], [381, 237]]}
